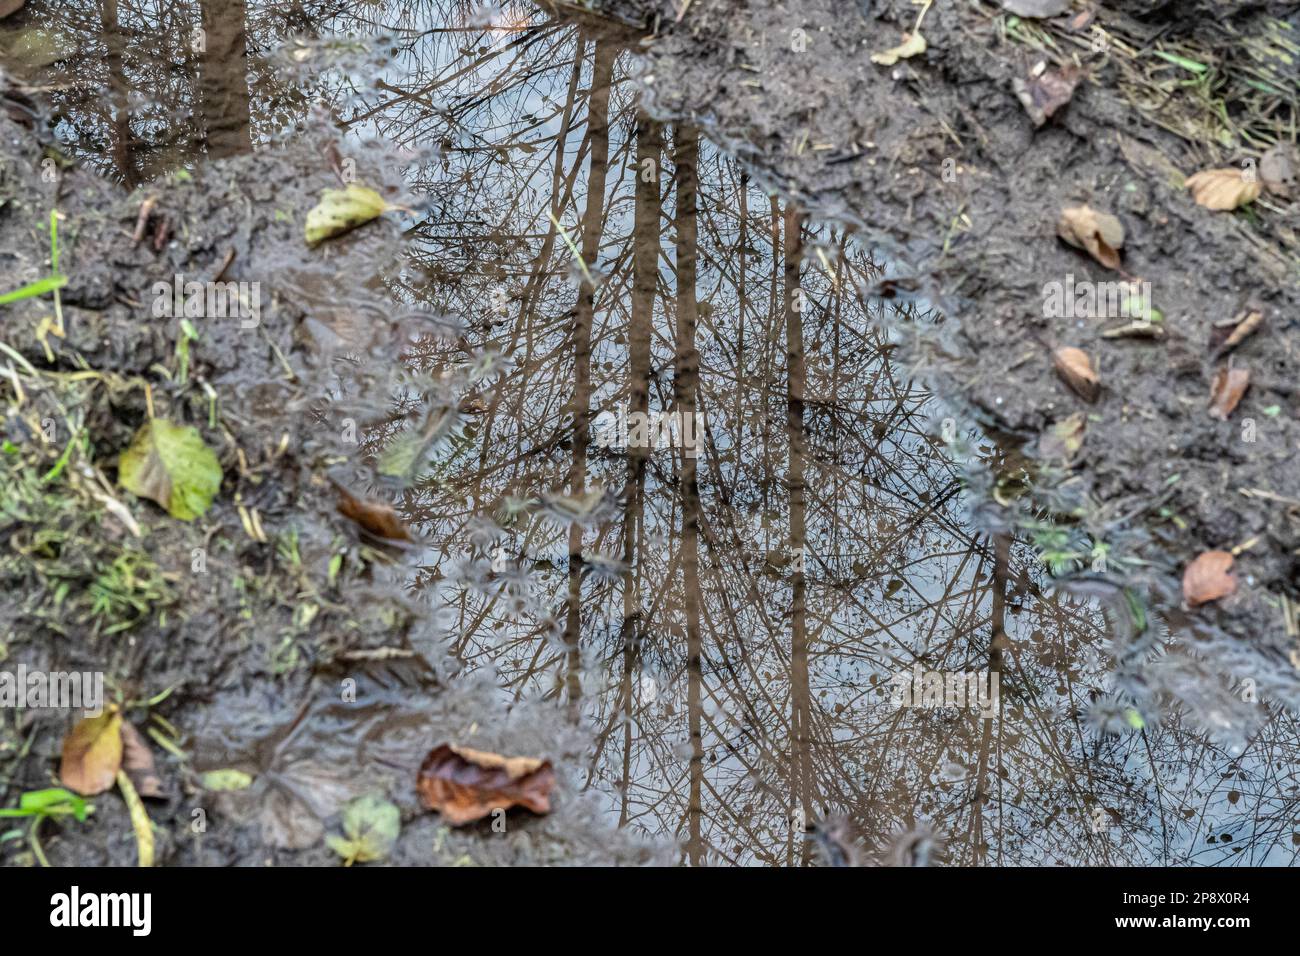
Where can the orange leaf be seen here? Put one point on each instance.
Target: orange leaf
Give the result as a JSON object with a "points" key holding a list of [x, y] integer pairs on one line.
{"points": [[1222, 189], [465, 785], [1208, 578], [1226, 391], [92, 754], [1075, 367], [375, 517]]}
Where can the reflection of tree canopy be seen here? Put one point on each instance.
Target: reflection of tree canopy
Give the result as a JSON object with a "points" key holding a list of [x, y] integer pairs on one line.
{"points": [[735, 696]]}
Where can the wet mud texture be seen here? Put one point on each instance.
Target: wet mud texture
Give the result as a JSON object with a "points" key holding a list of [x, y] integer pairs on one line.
{"points": [[851, 140], [296, 658]]}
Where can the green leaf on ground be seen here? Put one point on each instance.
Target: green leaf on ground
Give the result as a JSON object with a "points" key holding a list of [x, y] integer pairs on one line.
{"points": [[340, 210], [371, 825], [171, 464]]}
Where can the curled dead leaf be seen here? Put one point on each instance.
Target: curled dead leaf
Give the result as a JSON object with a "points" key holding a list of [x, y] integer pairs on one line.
{"points": [[1043, 93], [1100, 233], [913, 43], [1226, 336], [138, 763], [92, 754], [1075, 367], [1223, 189], [465, 785], [374, 517], [1208, 578], [1278, 170], [1229, 386]]}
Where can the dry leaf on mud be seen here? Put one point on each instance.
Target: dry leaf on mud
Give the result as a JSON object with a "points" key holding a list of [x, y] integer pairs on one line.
{"points": [[1075, 367], [1036, 8], [375, 517], [1044, 93], [913, 43], [92, 754], [1226, 391], [1278, 170], [465, 785], [1208, 578], [1223, 189], [138, 763], [1226, 336], [1065, 438], [1098, 232]]}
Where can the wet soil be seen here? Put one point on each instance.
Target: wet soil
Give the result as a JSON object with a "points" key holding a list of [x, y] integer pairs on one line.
{"points": [[706, 651], [792, 90]]}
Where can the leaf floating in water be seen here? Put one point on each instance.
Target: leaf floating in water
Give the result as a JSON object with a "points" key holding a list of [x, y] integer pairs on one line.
{"points": [[913, 43], [341, 210], [1223, 189], [1098, 232], [465, 785], [171, 464], [1075, 367], [1209, 578], [587, 509], [1229, 386], [370, 826], [410, 452], [374, 517], [92, 754]]}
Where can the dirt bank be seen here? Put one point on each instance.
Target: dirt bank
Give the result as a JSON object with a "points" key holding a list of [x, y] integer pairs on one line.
{"points": [[941, 167], [269, 635]]}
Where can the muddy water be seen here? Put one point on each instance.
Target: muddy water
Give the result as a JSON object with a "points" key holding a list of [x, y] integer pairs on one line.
{"points": [[784, 543]]}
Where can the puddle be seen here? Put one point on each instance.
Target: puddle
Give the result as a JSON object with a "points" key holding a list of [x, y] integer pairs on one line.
{"points": [[785, 620]]}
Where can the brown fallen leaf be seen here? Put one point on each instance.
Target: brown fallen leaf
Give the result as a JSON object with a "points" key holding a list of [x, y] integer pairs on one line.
{"points": [[138, 764], [1226, 391], [1208, 578], [375, 517], [1064, 439], [465, 785], [1075, 367], [1278, 171], [92, 754], [1226, 336], [1223, 189], [1044, 93], [1098, 232]]}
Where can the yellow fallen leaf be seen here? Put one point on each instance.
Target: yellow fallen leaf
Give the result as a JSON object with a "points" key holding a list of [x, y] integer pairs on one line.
{"points": [[1223, 189], [92, 754], [340, 210], [913, 43]]}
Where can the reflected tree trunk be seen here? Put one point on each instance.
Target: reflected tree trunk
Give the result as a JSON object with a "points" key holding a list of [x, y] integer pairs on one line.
{"points": [[592, 222], [796, 384], [223, 100], [645, 280], [686, 378]]}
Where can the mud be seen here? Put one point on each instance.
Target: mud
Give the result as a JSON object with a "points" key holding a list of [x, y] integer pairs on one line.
{"points": [[791, 89], [262, 650]]}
